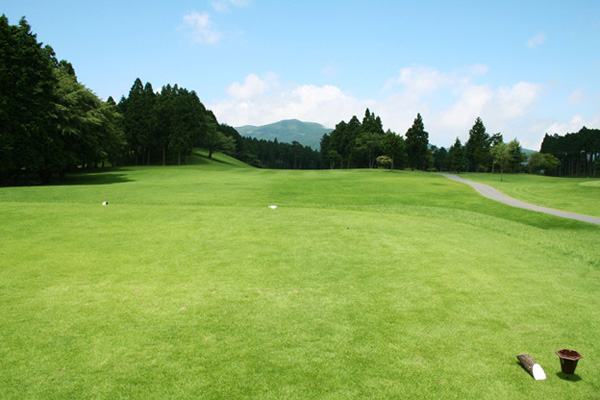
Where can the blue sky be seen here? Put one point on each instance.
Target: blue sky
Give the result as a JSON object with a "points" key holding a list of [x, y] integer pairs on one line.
{"points": [[524, 67]]}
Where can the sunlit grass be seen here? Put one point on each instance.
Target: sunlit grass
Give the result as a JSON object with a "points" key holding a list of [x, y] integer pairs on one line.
{"points": [[361, 284]]}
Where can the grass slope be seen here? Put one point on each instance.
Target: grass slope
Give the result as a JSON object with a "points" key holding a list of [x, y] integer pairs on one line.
{"points": [[362, 284], [579, 195]]}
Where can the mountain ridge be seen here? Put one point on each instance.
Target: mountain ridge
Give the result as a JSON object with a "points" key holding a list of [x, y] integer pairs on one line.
{"points": [[288, 131]]}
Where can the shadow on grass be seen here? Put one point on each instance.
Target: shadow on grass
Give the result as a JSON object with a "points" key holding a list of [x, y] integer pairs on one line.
{"points": [[201, 159], [96, 178], [567, 377]]}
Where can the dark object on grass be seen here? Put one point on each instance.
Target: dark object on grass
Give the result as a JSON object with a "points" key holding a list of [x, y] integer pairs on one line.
{"points": [[532, 367], [568, 360], [105, 203]]}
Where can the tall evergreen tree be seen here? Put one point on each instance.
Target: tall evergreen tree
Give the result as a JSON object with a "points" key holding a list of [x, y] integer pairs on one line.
{"points": [[134, 119], [26, 103], [417, 140], [515, 156], [478, 147], [456, 158]]}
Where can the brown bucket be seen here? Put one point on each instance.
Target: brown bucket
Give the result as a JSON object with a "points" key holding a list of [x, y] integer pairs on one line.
{"points": [[568, 360]]}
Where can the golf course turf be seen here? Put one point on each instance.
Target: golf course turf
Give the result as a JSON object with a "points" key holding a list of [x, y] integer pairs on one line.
{"points": [[361, 284]]}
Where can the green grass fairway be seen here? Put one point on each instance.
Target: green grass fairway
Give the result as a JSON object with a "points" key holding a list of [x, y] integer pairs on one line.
{"points": [[579, 195], [361, 284]]}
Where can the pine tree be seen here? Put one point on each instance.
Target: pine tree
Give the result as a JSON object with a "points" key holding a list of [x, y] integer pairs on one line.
{"points": [[478, 147], [416, 142]]}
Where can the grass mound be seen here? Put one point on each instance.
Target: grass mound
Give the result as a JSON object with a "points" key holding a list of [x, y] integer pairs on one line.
{"points": [[361, 284]]}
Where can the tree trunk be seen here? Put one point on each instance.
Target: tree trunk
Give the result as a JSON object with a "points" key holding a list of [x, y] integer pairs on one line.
{"points": [[164, 155], [532, 367]]}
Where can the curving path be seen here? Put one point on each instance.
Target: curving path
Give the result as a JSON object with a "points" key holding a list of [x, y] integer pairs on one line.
{"points": [[494, 194]]}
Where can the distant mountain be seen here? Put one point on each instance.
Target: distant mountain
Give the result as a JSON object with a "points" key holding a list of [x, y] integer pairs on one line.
{"points": [[288, 131]]}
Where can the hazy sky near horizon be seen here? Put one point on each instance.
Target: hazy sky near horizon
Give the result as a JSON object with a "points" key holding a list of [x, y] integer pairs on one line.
{"points": [[525, 67]]}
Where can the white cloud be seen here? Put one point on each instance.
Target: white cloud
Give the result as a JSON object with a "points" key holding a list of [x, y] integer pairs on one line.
{"points": [[200, 28], [470, 105], [253, 86], [574, 125], [449, 102], [224, 5], [537, 40], [517, 100], [264, 100]]}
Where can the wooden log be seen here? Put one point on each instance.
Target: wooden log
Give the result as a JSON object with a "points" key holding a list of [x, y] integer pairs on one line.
{"points": [[532, 367]]}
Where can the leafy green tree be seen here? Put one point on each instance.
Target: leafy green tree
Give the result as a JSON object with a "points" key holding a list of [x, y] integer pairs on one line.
{"points": [[417, 140], [78, 122], [540, 162], [385, 161], [369, 144], [501, 156], [478, 146], [394, 147], [214, 140]]}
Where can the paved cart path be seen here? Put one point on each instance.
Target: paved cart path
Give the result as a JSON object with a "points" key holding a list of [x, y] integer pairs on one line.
{"points": [[494, 194]]}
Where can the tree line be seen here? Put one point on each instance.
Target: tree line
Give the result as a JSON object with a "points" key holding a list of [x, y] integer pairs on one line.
{"points": [[51, 124], [578, 153], [356, 144]]}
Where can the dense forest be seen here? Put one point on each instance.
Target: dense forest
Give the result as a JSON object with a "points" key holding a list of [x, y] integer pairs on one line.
{"points": [[51, 124], [578, 153]]}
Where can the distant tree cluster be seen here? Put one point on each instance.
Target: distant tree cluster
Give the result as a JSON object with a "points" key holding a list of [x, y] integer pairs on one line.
{"points": [[357, 144], [481, 153], [164, 127], [575, 154], [272, 153]]}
